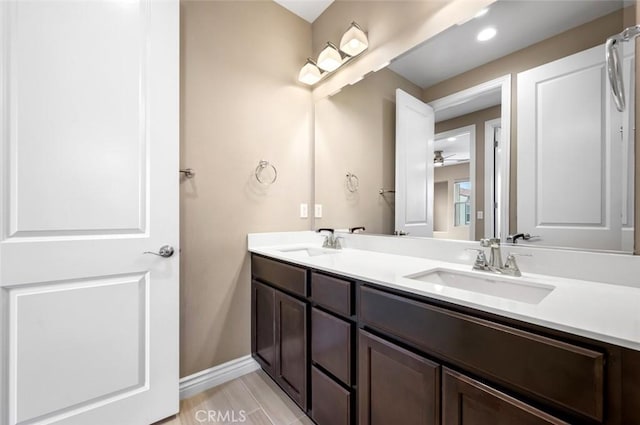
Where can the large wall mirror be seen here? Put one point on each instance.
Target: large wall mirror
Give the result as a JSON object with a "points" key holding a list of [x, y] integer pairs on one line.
{"points": [[503, 126]]}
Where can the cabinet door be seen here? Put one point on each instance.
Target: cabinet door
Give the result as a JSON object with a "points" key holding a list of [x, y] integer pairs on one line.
{"points": [[469, 402], [291, 347], [263, 336], [396, 386]]}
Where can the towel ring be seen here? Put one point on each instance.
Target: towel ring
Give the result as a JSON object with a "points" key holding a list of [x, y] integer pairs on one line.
{"points": [[353, 182], [261, 167]]}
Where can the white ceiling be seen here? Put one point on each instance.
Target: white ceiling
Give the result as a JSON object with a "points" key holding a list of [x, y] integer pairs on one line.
{"points": [[520, 23], [309, 10]]}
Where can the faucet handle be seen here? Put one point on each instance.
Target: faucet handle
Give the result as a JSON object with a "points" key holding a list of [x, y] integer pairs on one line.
{"points": [[325, 229], [336, 242], [511, 265], [480, 262]]}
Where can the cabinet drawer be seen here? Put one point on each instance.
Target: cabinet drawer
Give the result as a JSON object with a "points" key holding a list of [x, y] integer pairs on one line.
{"points": [[285, 276], [466, 401], [332, 293], [330, 403], [331, 344], [559, 373]]}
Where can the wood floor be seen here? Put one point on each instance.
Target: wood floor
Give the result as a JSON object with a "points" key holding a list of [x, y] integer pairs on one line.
{"points": [[253, 397]]}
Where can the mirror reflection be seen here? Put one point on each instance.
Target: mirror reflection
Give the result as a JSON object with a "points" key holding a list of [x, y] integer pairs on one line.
{"points": [[510, 132]]}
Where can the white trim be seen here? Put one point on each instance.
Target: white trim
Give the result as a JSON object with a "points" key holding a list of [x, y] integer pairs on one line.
{"points": [[217, 375], [472, 170], [489, 173], [504, 83]]}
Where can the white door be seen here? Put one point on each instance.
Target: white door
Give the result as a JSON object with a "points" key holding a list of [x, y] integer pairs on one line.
{"points": [[569, 154], [628, 146], [414, 166], [88, 182]]}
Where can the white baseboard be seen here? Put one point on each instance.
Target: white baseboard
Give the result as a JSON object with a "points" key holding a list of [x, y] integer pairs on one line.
{"points": [[217, 375]]}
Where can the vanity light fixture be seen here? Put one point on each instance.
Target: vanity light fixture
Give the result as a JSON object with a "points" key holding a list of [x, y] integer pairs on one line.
{"points": [[353, 43], [330, 58], [487, 34], [310, 73]]}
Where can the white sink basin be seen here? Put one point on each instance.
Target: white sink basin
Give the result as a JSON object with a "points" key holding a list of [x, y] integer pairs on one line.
{"points": [[515, 288], [310, 251]]}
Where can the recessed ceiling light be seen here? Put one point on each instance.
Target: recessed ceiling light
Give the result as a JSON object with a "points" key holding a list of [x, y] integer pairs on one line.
{"points": [[451, 139], [487, 34], [482, 12]]}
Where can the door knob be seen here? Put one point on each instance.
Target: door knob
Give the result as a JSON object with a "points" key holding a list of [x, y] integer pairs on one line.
{"points": [[166, 251]]}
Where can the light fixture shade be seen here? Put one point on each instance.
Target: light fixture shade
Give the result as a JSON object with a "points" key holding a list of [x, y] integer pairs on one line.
{"points": [[310, 73], [354, 41], [330, 58]]}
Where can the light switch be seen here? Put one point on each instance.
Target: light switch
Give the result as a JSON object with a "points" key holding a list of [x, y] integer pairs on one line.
{"points": [[304, 210], [318, 211], [480, 215]]}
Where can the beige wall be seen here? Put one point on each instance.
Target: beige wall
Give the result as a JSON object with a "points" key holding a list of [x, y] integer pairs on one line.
{"points": [[449, 174], [440, 206], [355, 132], [570, 42], [239, 104], [477, 119]]}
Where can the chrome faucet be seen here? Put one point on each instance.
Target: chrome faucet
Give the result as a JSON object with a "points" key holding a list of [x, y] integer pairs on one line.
{"points": [[494, 264], [495, 257], [331, 240]]}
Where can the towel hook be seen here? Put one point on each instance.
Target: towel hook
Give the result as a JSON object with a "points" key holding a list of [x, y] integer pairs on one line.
{"points": [[261, 167]]}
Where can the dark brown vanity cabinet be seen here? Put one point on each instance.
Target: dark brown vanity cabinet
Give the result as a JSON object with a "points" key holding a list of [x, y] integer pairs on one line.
{"points": [[396, 386], [357, 353], [279, 325]]}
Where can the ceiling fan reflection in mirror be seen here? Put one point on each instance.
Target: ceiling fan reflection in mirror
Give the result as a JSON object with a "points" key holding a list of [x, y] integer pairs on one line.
{"points": [[439, 160]]}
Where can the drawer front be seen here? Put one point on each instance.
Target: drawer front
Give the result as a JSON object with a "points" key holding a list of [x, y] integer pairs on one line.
{"points": [[332, 293], [330, 403], [331, 344], [466, 401], [565, 375], [285, 276]]}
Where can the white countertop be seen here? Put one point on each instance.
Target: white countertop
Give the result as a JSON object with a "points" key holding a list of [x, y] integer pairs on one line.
{"points": [[600, 311]]}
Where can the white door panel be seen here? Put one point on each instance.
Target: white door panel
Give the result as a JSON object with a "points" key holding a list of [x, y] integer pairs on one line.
{"points": [[628, 147], [89, 160], [414, 165], [569, 191], [77, 103]]}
